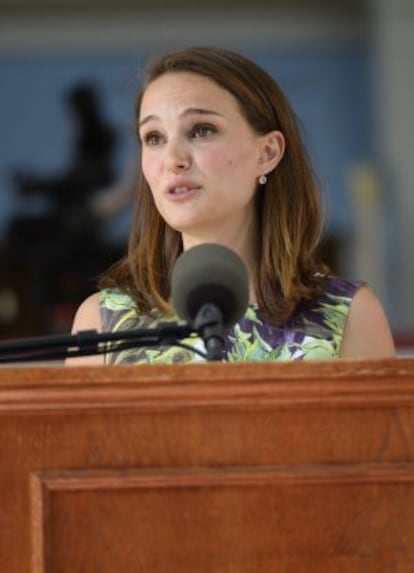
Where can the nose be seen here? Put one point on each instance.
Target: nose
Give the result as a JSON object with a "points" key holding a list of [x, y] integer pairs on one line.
{"points": [[177, 156]]}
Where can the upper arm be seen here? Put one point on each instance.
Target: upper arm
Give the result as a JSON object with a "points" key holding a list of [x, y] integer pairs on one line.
{"points": [[367, 332], [87, 318]]}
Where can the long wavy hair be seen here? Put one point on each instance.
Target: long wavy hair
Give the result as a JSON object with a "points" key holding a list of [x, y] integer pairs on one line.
{"points": [[289, 212]]}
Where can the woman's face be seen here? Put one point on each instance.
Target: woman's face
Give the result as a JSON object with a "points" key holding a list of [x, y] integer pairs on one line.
{"points": [[200, 157]]}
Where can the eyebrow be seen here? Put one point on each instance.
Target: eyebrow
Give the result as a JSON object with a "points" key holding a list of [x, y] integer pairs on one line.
{"points": [[185, 113]]}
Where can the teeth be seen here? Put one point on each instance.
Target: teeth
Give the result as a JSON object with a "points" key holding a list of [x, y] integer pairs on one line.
{"points": [[179, 190]]}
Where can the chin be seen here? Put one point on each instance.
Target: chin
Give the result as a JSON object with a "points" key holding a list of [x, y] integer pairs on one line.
{"points": [[185, 226]]}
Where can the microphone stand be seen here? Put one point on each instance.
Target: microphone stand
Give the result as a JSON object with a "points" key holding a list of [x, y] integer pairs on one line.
{"points": [[209, 323], [90, 342]]}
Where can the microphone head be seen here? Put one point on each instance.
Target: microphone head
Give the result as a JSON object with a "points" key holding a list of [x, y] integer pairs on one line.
{"points": [[210, 273]]}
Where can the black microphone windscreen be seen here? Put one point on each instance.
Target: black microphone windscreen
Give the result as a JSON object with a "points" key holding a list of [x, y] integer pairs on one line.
{"points": [[210, 273]]}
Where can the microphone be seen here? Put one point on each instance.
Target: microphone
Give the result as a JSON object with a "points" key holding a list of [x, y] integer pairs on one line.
{"points": [[210, 290]]}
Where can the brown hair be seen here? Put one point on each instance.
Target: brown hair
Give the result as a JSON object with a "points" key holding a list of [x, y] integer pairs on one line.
{"points": [[288, 207]]}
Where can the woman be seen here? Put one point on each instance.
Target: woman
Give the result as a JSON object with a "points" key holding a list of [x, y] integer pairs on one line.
{"points": [[223, 161]]}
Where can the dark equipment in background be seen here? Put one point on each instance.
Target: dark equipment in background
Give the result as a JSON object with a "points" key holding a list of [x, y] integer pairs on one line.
{"points": [[51, 260]]}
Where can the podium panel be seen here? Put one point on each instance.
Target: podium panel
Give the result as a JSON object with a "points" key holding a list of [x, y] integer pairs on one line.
{"points": [[314, 519], [299, 468]]}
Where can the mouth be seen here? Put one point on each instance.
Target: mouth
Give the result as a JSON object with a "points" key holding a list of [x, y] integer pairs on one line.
{"points": [[182, 191]]}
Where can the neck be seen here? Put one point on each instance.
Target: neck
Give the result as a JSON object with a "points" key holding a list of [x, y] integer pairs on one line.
{"points": [[242, 243]]}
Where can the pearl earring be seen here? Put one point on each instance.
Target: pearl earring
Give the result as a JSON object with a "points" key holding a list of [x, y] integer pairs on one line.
{"points": [[262, 179]]}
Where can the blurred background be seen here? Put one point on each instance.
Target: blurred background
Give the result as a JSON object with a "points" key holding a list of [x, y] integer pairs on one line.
{"points": [[69, 75]]}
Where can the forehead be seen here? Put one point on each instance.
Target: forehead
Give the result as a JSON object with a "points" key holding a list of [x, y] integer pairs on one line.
{"points": [[181, 89]]}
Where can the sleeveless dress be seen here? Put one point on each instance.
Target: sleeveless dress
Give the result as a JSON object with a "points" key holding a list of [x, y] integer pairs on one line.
{"points": [[313, 332]]}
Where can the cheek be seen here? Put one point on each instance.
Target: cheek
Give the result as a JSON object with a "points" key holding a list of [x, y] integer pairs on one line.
{"points": [[238, 166], [240, 159], [148, 170], [221, 163]]}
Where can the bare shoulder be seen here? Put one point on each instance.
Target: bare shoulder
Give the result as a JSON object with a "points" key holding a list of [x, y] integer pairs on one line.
{"points": [[367, 332], [87, 317]]}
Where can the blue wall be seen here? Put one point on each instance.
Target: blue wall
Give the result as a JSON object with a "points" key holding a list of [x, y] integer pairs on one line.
{"points": [[329, 89]]}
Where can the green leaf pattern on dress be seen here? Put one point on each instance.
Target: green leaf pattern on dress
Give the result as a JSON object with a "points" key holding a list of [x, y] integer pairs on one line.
{"points": [[314, 332]]}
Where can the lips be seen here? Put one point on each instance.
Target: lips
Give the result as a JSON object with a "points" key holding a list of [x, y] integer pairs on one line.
{"points": [[182, 189]]}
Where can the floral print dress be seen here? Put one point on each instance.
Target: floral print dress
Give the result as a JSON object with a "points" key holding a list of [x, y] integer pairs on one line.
{"points": [[313, 332]]}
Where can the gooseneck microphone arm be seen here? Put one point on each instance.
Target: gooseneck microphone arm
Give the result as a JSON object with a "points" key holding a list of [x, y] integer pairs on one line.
{"points": [[91, 342]]}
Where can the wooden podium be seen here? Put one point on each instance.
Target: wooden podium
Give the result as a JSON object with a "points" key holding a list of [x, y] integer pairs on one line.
{"points": [[222, 468]]}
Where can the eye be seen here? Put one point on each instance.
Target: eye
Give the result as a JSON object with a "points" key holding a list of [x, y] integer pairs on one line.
{"points": [[152, 139], [202, 130]]}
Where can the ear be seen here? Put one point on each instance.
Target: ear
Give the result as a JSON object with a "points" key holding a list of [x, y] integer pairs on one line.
{"points": [[272, 150]]}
